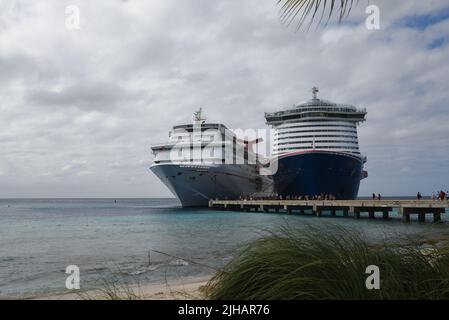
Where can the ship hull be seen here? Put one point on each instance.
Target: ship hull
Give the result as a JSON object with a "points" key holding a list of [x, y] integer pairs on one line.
{"points": [[195, 185], [318, 173]]}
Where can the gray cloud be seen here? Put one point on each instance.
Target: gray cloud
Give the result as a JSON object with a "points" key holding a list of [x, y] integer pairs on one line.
{"points": [[79, 109], [87, 95]]}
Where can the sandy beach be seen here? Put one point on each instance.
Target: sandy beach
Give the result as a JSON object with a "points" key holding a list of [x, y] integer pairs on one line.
{"points": [[184, 289]]}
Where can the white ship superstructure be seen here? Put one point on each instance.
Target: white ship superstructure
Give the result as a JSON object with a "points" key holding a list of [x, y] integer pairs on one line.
{"points": [[316, 125], [316, 147]]}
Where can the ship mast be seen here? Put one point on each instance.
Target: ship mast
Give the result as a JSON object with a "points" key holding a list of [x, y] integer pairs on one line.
{"points": [[198, 117], [315, 90]]}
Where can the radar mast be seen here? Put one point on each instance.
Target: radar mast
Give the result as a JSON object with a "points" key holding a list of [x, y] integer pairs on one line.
{"points": [[198, 117], [315, 90]]}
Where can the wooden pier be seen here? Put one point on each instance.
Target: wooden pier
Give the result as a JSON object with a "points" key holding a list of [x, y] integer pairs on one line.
{"points": [[348, 208]]}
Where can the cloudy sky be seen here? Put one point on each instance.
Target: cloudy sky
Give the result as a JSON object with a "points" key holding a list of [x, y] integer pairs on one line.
{"points": [[80, 108]]}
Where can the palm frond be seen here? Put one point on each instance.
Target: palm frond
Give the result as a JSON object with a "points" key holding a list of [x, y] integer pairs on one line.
{"points": [[307, 10]]}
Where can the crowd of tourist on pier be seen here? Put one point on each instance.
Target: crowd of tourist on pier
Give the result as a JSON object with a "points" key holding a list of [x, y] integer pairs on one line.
{"points": [[439, 195], [292, 197]]}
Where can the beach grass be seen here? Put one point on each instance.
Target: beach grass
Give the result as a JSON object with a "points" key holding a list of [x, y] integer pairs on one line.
{"points": [[330, 262]]}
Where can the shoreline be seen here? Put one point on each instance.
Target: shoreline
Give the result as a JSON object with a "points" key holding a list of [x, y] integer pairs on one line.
{"points": [[181, 289]]}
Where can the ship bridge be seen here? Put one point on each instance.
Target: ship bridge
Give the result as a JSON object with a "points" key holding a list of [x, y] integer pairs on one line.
{"points": [[203, 126]]}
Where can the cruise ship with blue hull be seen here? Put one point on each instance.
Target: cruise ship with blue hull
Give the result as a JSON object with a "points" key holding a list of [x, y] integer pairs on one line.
{"points": [[319, 172], [316, 149]]}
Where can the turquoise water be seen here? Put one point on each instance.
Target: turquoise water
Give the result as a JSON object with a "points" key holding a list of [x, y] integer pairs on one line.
{"points": [[40, 238]]}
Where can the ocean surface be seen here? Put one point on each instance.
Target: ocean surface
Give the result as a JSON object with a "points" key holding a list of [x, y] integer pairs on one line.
{"points": [[111, 240]]}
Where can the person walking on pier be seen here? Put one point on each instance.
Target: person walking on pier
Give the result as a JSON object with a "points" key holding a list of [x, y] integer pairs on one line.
{"points": [[419, 196], [379, 197], [374, 196]]}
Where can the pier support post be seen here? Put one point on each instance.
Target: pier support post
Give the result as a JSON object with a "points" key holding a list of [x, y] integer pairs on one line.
{"points": [[421, 217], [289, 210], [345, 212], [301, 211], [371, 214], [316, 210], [385, 214], [277, 209], [436, 217], [333, 212], [405, 213], [352, 211]]}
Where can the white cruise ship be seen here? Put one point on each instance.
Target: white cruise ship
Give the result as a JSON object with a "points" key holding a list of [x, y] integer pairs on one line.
{"points": [[203, 161], [317, 150]]}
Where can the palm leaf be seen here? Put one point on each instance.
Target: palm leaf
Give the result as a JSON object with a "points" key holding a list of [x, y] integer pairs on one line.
{"points": [[302, 10]]}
